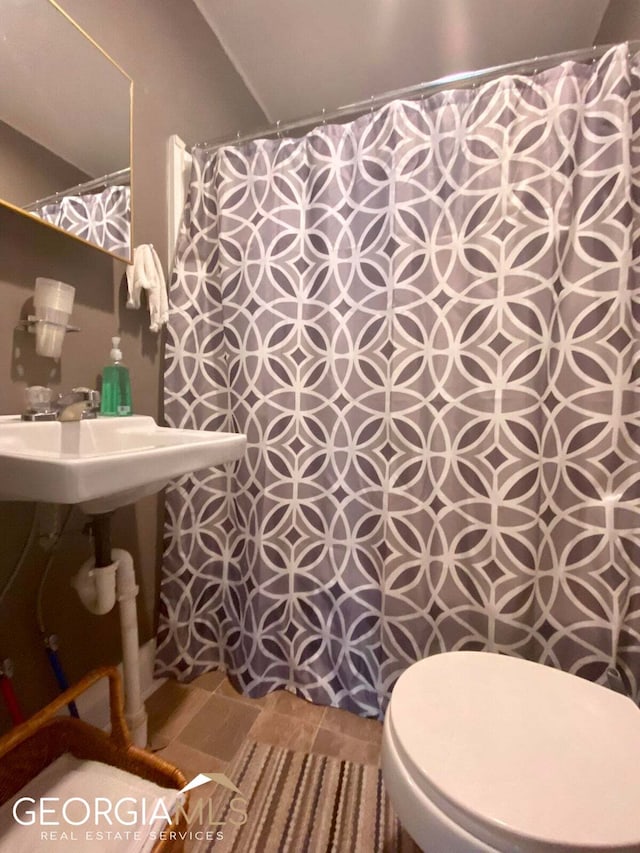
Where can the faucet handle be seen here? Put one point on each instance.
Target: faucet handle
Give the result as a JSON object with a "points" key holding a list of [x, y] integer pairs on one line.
{"points": [[78, 404], [91, 396], [38, 404], [38, 398]]}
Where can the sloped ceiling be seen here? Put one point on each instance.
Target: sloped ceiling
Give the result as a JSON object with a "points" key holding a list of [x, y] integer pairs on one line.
{"points": [[300, 56]]}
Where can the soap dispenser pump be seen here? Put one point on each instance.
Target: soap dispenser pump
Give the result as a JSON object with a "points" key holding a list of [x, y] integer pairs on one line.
{"points": [[116, 385]]}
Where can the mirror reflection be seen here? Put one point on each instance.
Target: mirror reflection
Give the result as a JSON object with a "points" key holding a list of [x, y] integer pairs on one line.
{"points": [[65, 140]]}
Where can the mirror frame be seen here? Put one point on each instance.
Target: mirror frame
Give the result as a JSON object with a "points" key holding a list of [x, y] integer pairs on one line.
{"points": [[33, 216]]}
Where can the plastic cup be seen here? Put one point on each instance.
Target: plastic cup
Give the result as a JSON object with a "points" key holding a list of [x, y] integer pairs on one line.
{"points": [[51, 315], [49, 339], [53, 303], [51, 295]]}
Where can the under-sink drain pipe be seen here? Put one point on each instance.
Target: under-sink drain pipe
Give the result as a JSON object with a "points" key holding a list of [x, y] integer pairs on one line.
{"points": [[99, 588]]}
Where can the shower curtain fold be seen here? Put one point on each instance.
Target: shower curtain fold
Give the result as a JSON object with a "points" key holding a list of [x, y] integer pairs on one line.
{"points": [[426, 322]]}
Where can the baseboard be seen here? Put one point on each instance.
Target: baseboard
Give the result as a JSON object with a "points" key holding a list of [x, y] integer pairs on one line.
{"points": [[93, 705]]}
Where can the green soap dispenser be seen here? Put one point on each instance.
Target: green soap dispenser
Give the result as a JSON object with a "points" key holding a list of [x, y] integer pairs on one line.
{"points": [[116, 385]]}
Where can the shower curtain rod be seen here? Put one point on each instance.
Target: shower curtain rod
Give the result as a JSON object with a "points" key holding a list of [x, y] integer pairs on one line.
{"points": [[105, 181], [420, 90]]}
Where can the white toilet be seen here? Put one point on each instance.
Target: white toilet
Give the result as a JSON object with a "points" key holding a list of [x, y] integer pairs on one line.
{"points": [[484, 752]]}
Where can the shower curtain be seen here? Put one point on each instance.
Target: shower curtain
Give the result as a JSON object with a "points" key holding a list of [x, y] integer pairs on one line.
{"points": [[426, 323], [102, 217]]}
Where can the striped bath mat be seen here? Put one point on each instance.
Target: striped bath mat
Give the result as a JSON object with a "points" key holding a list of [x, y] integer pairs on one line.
{"points": [[296, 802]]}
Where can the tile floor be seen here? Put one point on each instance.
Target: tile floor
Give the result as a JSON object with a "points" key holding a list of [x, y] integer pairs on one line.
{"points": [[200, 727]]}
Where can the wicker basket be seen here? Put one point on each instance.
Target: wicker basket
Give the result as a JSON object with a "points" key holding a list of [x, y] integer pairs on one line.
{"points": [[30, 747]]}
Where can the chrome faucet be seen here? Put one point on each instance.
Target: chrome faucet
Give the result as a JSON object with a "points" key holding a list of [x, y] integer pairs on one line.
{"points": [[78, 404]]}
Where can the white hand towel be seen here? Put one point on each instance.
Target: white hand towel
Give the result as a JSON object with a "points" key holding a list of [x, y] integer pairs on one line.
{"points": [[88, 806], [145, 273]]}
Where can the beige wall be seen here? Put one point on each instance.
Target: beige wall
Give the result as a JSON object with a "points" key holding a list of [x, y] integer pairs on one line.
{"points": [[184, 84], [621, 22], [31, 172]]}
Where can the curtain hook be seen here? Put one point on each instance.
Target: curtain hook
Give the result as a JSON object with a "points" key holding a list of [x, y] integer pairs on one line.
{"points": [[371, 108], [278, 129], [324, 121]]}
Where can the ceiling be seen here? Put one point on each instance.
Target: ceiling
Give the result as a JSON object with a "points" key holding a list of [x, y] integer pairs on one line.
{"points": [[300, 56]]}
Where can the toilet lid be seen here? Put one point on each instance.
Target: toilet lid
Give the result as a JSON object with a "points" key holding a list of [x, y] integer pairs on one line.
{"points": [[516, 751]]}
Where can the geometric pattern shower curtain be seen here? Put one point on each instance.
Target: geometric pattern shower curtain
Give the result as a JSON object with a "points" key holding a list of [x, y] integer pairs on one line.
{"points": [[426, 322], [102, 217]]}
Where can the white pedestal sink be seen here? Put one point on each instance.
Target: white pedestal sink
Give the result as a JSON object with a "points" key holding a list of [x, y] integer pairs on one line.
{"points": [[104, 463]]}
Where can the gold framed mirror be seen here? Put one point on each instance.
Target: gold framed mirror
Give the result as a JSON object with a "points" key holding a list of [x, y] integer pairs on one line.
{"points": [[65, 127]]}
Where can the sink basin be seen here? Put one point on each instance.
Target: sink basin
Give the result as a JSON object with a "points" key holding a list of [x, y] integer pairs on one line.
{"points": [[104, 463]]}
